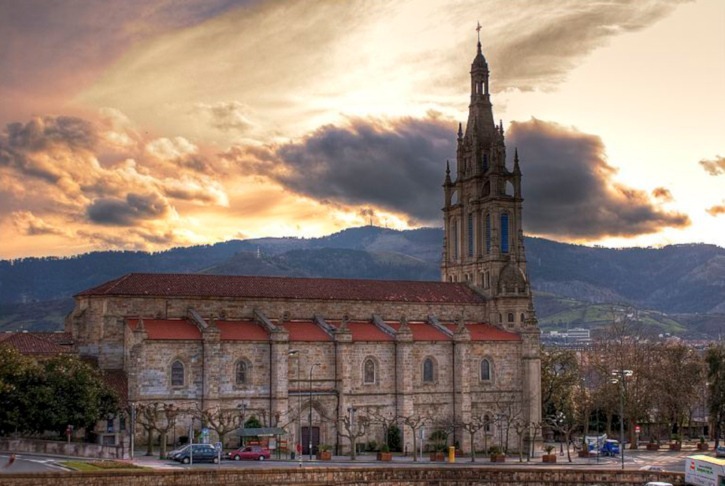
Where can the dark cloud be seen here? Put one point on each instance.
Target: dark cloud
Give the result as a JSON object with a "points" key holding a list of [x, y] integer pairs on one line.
{"points": [[119, 212], [716, 210], [715, 166], [569, 188], [227, 116], [397, 166], [46, 136]]}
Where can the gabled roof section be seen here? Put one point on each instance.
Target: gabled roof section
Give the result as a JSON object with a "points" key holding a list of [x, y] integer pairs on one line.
{"points": [[241, 331], [364, 331], [305, 331], [485, 332], [232, 286], [172, 329], [33, 344], [422, 331]]}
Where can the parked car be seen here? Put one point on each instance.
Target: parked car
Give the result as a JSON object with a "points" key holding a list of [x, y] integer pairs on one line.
{"points": [[198, 453], [254, 452], [172, 454], [720, 451]]}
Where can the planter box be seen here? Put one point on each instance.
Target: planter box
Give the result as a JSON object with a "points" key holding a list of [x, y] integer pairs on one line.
{"points": [[548, 458], [653, 447], [498, 458], [675, 446], [437, 456], [385, 456], [324, 456], [703, 446]]}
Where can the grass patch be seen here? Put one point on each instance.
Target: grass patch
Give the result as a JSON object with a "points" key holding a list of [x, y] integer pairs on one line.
{"points": [[99, 465]]}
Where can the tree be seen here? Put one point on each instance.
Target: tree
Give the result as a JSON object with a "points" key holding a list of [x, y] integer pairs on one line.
{"points": [[715, 360], [352, 428], [222, 421], [414, 422], [560, 380], [472, 426]]}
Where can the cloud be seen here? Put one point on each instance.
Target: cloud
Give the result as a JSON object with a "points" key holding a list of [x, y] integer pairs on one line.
{"points": [[136, 207], [226, 116], [662, 193], [394, 164], [715, 166], [29, 224], [716, 210], [530, 55], [570, 188]]}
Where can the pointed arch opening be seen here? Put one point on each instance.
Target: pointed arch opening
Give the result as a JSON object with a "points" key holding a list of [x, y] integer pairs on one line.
{"points": [[178, 373]]}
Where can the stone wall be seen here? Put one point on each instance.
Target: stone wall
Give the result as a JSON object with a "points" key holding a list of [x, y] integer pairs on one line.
{"points": [[62, 448], [396, 476]]}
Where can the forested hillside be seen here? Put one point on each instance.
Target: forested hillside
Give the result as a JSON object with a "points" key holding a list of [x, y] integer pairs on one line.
{"points": [[681, 288]]}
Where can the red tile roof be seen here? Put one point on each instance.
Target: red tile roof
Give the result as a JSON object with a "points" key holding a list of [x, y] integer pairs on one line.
{"points": [[364, 331], [486, 332], [33, 343], [242, 331], [304, 331], [167, 328], [422, 331], [197, 285]]}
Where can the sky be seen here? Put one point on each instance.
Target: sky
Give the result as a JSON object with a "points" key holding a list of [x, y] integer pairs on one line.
{"points": [[150, 124]]}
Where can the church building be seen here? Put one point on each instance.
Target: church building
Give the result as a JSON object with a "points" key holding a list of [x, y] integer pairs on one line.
{"points": [[305, 354]]}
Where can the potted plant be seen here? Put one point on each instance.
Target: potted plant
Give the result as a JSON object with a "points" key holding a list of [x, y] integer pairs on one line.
{"points": [[384, 453], [702, 445], [497, 454], [676, 443], [549, 457], [324, 452]]}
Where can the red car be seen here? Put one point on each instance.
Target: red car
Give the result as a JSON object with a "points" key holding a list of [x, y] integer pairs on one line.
{"points": [[254, 452]]}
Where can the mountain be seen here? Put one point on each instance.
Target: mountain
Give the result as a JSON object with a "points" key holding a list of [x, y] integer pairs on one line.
{"points": [[678, 289]]}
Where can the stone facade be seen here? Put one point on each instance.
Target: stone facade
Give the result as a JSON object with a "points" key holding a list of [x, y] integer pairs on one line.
{"points": [[295, 350]]}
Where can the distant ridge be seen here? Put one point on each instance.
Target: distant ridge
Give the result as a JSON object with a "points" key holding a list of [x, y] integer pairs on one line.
{"points": [[682, 287]]}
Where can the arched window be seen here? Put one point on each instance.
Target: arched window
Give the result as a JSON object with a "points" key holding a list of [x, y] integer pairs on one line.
{"points": [[523, 318], [470, 234], [454, 239], [504, 233], [511, 317], [369, 371], [428, 370], [485, 370], [487, 423], [500, 317], [488, 233], [242, 372], [177, 373]]}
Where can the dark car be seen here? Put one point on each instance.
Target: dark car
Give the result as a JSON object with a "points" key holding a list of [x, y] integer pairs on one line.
{"points": [[720, 451], [255, 453], [198, 453]]}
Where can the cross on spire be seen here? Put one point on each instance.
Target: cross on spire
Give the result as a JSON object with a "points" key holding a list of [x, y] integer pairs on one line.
{"points": [[478, 31]]}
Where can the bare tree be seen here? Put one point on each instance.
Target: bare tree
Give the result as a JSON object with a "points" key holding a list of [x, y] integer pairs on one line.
{"points": [[222, 421], [156, 417], [471, 427], [415, 422], [352, 428]]}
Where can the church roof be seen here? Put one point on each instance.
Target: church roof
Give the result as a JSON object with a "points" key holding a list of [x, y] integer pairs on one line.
{"points": [[486, 332], [167, 328], [232, 286], [35, 344]]}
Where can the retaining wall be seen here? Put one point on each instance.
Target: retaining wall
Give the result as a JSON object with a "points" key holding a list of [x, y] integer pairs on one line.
{"points": [[354, 476], [61, 448]]}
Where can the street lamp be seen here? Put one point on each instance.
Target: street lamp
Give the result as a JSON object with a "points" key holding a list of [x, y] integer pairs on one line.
{"points": [[296, 354], [621, 374], [242, 413], [309, 431]]}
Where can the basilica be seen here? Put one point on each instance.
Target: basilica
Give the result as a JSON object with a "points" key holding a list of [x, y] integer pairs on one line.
{"points": [[305, 354]]}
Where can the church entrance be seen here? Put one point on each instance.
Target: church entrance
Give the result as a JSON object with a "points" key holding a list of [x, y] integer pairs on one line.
{"points": [[306, 439]]}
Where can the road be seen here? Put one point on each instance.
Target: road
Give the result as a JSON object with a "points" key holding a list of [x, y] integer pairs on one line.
{"points": [[28, 464]]}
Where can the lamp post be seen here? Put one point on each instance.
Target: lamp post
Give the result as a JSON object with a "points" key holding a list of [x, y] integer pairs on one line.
{"points": [[309, 431], [296, 354], [242, 413], [621, 374]]}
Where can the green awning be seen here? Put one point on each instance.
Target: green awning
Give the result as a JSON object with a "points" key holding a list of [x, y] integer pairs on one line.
{"points": [[260, 431]]}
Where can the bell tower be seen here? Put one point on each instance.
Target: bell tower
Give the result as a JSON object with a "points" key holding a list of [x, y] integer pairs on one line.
{"points": [[483, 243]]}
